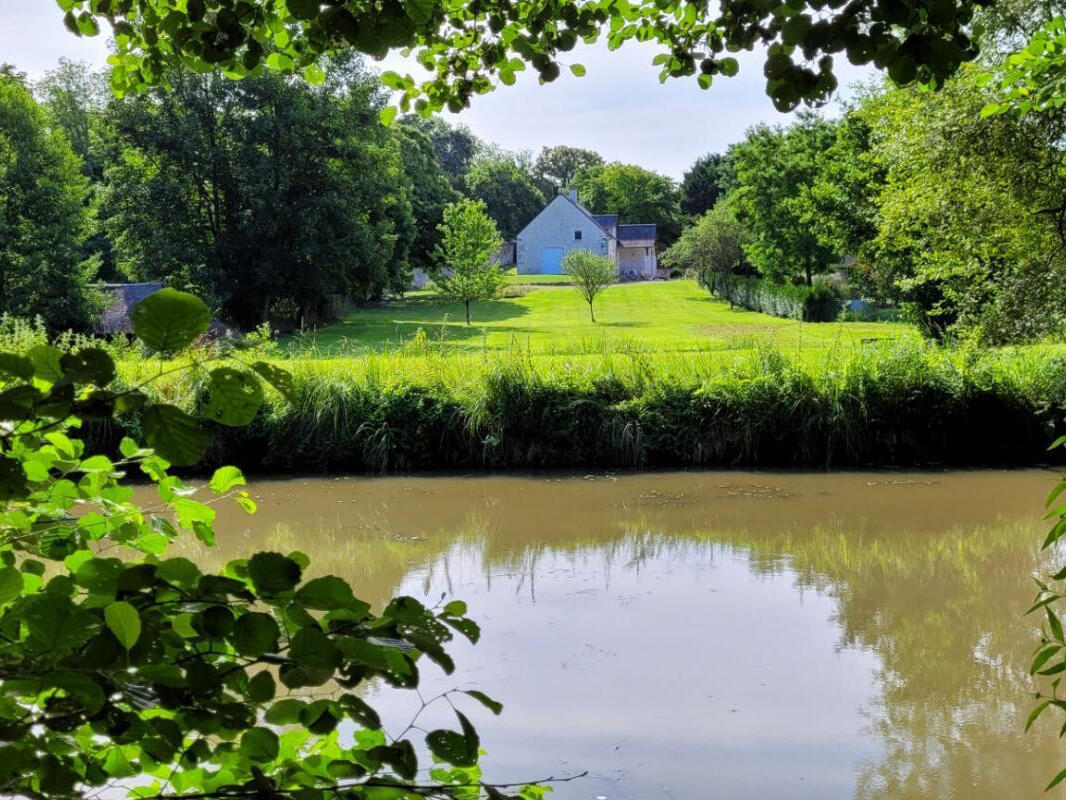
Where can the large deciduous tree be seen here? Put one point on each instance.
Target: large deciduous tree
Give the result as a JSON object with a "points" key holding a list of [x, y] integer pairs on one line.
{"points": [[704, 183], [44, 216], [773, 169], [431, 191], [969, 218], [454, 145], [263, 194], [507, 190], [712, 247], [636, 194], [556, 167]]}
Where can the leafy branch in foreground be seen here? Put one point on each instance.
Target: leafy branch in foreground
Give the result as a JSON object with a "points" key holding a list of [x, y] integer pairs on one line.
{"points": [[150, 674], [1049, 658], [468, 46]]}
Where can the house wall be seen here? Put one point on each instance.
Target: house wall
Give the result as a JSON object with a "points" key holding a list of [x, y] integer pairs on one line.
{"points": [[554, 227], [637, 262]]}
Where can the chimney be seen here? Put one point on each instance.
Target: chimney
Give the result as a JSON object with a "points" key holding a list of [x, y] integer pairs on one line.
{"points": [[572, 193]]}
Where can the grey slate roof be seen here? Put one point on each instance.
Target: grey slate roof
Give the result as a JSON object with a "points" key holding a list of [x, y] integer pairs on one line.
{"points": [[635, 233], [122, 297], [609, 222]]}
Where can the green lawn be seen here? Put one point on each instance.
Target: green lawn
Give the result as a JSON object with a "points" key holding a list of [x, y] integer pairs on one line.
{"points": [[667, 317]]}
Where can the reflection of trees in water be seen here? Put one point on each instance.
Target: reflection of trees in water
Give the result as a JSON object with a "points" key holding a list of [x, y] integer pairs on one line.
{"points": [[942, 611]]}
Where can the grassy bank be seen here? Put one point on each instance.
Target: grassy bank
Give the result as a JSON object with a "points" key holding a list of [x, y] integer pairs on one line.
{"points": [[665, 317], [899, 404]]}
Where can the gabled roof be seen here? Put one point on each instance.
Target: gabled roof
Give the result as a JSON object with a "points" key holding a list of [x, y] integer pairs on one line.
{"points": [[636, 233], [121, 298], [609, 222]]}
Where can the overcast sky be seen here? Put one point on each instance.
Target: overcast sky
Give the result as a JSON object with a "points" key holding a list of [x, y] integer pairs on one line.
{"points": [[618, 109]]}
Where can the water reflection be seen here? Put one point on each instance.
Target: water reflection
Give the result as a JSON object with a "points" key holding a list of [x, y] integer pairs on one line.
{"points": [[714, 635]]}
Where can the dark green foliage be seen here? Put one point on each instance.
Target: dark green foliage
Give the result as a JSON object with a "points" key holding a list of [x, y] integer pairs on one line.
{"points": [[272, 197], [556, 167], [44, 216], [807, 303], [507, 190], [466, 49], [154, 670], [704, 183], [636, 194]]}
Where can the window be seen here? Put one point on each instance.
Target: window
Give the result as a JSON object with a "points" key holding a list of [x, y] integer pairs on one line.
{"points": [[577, 236]]}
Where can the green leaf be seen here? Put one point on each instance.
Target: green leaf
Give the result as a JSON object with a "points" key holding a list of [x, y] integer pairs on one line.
{"points": [[169, 320], [303, 9], [91, 365], [11, 584], [1035, 713], [312, 648], [260, 745], [285, 712], [47, 362], [261, 688], [14, 366], [451, 748], [225, 478], [326, 594], [124, 622], [1056, 780], [273, 573], [173, 434], [387, 115], [255, 633], [420, 11], [578, 70], [492, 705], [235, 397], [1054, 624], [277, 377]]}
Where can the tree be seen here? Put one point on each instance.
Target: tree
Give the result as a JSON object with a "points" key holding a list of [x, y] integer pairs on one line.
{"points": [[465, 50], [74, 97], [712, 247], [454, 145], [773, 169], [591, 273], [43, 217], [704, 183], [498, 181], [469, 239], [637, 195], [430, 191], [969, 215], [262, 194], [556, 167]]}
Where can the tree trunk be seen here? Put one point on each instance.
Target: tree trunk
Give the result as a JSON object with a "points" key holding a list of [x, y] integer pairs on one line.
{"points": [[592, 314], [807, 270], [467, 312]]}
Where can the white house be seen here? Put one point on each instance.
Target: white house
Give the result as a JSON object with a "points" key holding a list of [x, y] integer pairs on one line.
{"points": [[564, 225]]}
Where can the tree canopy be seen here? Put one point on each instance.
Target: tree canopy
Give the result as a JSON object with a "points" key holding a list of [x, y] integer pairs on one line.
{"points": [[44, 215], [636, 194], [265, 193], [507, 190], [556, 167], [469, 47], [703, 183]]}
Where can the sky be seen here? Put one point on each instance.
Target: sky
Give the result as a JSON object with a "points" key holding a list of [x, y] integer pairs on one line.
{"points": [[619, 109]]}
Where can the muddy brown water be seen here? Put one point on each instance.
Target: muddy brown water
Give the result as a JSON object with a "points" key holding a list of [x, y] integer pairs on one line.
{"points": [[710, 635]]}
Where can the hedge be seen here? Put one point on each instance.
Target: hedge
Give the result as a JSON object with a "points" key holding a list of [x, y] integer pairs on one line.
{"points": [[806, 303]]}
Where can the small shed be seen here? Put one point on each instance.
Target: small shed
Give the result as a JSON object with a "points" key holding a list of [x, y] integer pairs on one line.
{"points": [[121, 298]]}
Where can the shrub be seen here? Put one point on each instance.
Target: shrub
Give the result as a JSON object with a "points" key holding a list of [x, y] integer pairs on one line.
{"points": [[807, 303]]}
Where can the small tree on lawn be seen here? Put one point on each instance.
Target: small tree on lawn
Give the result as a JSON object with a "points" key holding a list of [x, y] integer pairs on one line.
{"points": [[591, 273], [469, 239]]}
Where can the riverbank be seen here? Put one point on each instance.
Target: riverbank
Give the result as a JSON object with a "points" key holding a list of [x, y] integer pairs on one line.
{"points": [[899, 405]]}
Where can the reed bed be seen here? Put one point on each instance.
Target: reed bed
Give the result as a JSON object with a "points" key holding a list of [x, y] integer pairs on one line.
{"points": [[418, 409]]}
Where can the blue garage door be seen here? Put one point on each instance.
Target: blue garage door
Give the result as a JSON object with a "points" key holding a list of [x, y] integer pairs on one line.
{"points": [[551, 260]]}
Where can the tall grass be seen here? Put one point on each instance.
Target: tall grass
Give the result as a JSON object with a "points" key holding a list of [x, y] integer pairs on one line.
{"points": [[900, 404]]}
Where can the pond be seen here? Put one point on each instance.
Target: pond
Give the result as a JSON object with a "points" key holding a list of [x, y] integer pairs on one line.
{"points": [[725, 635]]}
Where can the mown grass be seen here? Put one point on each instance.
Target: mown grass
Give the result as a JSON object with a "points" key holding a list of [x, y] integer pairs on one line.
{"points": [[662, 317], [880, 404]]}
